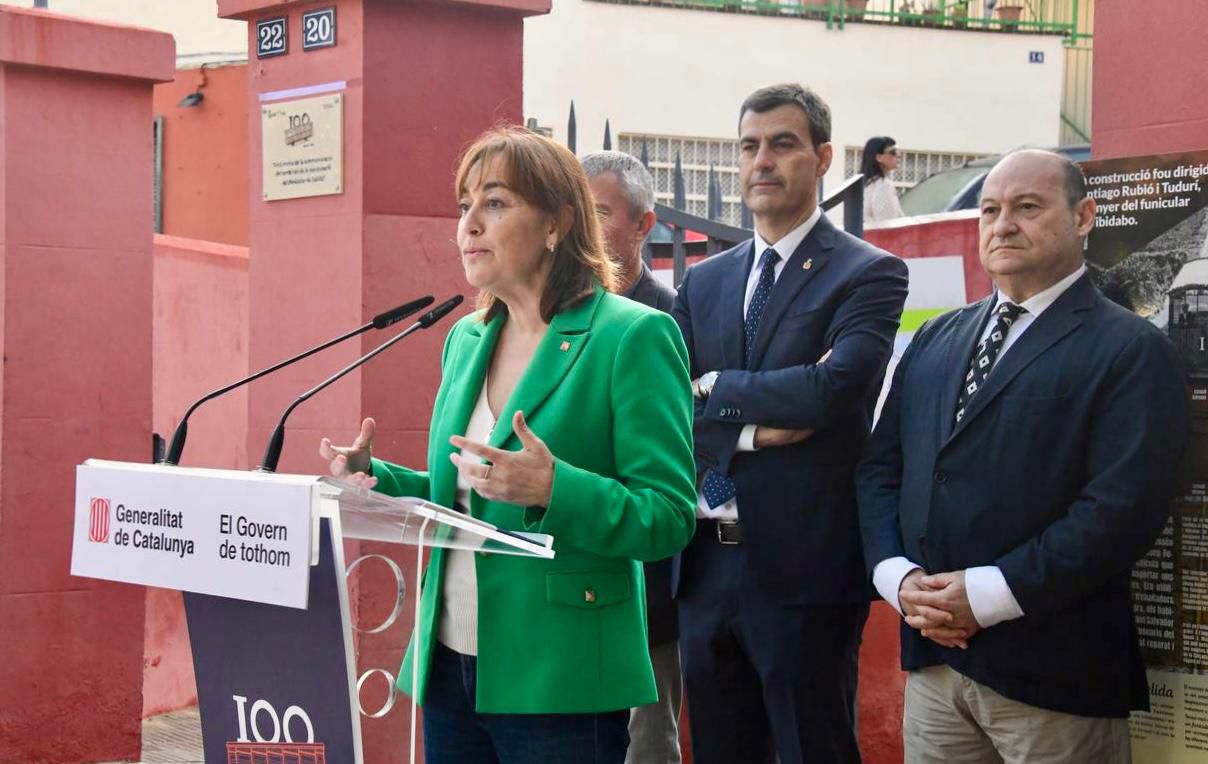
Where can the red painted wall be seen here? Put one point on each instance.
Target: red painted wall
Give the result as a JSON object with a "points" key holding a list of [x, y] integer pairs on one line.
{"points": [[205, 154], [882, 682], [200, 304], [1150, 78], [200, 344], [948, 233], [75, 332]]}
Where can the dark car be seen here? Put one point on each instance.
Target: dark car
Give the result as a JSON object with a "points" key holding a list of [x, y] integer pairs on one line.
{"points": [[957, 188]]}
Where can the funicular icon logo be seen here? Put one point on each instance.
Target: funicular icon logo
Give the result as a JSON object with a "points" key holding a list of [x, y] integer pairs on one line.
{"points": [[98, 521], [276, 753]]}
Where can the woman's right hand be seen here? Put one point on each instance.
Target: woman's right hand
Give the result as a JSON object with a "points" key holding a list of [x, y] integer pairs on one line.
{"points": [[351, 463]]}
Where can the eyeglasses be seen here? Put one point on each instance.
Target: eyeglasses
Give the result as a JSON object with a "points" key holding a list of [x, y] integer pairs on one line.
{"points": [[893, 151]]}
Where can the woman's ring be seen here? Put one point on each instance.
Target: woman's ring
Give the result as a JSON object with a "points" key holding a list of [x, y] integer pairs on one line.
{"points": [[487, 475]]}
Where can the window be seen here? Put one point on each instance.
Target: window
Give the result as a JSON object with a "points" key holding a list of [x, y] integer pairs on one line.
{"points": [[696, 155]]}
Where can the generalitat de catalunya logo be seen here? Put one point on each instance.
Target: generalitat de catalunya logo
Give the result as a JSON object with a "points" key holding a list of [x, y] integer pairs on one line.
{"points": [[98, 521]]}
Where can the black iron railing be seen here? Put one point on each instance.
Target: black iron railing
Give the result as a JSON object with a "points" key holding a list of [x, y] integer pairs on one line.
{"points": [[721, 236]]}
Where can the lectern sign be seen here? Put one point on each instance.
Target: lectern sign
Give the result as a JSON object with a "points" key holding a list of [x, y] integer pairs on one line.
{"points": [[303, 147], [241, 536], [275, 685]]}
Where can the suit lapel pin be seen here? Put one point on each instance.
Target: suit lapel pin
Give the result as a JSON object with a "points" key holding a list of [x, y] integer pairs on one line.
{"points": [[807, 264], [565, 346]]}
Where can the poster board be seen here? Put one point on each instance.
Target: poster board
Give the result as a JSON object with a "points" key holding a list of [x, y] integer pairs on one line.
{"points": [[1149, 253], [302, 147]]}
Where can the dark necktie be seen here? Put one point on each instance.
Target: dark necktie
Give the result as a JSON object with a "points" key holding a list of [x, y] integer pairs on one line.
{"points": [[718, 488], [987, 351]]}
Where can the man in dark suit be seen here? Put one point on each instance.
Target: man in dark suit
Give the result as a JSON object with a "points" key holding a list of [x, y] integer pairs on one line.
{"points": [[624, 195], [1024, 460], [771, 590]]}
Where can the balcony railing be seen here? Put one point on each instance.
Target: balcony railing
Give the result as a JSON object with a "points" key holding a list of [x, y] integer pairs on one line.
{"points": [[1034, 16]]}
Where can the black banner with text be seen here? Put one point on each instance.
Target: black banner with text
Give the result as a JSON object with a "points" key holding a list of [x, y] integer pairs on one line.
{"points": [[1149, 253]]}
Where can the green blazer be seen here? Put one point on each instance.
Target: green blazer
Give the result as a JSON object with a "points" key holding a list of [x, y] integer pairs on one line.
{"points": [[609, 393]]}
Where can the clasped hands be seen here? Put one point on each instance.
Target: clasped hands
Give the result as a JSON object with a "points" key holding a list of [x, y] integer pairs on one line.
{"points": [[524, 477], [938, 606]]}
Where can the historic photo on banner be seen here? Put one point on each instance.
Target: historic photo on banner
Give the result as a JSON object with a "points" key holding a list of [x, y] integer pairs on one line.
{"points": [[1149, 252], [303, 147]]}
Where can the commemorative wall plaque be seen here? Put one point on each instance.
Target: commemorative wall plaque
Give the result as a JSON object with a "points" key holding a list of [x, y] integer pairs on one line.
{"points": [[303, 147]]}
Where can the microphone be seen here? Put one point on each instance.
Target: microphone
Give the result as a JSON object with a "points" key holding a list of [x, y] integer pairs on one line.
{"points": [[272, 454], [380, 321]]}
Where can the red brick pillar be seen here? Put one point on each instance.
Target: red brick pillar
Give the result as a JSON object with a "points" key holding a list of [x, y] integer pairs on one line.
{"points": [[419, 80], [75, 333], [1149, 99]]}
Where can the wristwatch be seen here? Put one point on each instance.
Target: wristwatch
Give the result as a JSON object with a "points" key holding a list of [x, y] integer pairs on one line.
{"points": [[704, 385]]}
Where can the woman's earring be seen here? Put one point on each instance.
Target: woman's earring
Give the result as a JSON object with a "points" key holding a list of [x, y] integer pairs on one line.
{"points": [[549, 249]]}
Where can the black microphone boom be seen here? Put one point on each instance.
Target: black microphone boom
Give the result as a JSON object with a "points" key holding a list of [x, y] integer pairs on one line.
{"points": [[272, 454], [393, 316], [380, 321]]}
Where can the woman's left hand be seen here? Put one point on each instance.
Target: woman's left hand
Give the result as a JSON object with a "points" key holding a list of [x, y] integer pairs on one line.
{"points": [[524, 477]]}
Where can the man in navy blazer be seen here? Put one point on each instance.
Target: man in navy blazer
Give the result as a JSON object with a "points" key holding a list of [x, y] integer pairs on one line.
{"points": [[1024, 460], [788, 335]]}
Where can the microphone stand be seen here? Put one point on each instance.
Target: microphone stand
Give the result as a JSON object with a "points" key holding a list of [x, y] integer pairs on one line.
{"points": [[380, 321], [272, 454]]}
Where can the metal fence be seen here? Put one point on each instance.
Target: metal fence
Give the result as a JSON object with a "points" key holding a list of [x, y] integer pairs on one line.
{"points": [[1036, 16], [720, 236], [718, 232]]}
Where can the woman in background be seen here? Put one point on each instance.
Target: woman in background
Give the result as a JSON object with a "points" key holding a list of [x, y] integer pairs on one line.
{"points": [[880, 197]]}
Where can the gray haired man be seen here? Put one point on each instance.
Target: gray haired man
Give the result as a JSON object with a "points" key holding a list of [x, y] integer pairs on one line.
{"points": [[624, 194]]}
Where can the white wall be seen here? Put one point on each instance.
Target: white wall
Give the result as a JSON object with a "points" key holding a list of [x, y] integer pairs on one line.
{"points": [[685, 72], [200, 35]]}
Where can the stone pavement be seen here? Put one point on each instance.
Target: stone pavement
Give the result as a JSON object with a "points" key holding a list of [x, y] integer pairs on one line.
{"points": [[173, 738]]}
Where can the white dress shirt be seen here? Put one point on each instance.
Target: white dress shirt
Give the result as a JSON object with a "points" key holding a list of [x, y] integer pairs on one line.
{"points": [[989, 596], [458, 627], [746, 439]]}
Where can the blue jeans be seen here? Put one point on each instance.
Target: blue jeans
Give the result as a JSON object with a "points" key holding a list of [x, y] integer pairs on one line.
{"points": [[454, 733]]}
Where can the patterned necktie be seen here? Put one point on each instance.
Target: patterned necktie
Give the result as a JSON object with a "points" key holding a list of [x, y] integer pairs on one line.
{"points": [[718, 488], [987, 351]]}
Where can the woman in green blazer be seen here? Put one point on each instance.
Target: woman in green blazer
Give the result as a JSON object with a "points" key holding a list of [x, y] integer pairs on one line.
{"points": [[562, 409]]}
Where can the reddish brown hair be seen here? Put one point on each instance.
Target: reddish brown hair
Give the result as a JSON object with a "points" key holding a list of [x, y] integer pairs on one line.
{"points": [[549, 177]]}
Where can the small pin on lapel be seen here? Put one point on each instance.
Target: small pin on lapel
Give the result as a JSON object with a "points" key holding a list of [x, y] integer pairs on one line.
{"points": [[807, 264], [565, 346]]}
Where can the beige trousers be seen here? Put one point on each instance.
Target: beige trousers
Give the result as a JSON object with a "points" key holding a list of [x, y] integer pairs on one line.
{"points": [[951, 719]]}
